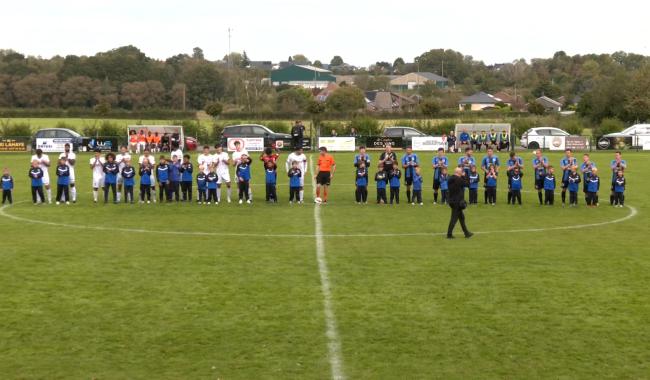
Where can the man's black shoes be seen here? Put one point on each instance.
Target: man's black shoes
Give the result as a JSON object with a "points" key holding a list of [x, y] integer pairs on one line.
{"points": [[469, 235]]}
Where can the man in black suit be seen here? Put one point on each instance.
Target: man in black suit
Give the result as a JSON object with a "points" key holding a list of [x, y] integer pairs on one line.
{"points": [[456, 183]]}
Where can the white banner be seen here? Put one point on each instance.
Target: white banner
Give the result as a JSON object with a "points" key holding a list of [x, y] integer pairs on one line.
{"points": [[556, 142], [251, 144], [428, 143], [646, 145], [52, 145], [337, 144]]}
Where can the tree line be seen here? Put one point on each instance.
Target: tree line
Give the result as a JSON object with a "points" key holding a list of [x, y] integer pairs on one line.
{"points": [[602, 86]]}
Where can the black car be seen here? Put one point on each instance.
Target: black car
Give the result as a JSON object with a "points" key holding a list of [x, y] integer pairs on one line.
{"points": [[59, 133], [251, 131], [405, 133]]}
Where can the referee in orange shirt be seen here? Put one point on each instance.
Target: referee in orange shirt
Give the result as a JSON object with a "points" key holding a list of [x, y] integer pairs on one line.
{"points": [[326, 168]]}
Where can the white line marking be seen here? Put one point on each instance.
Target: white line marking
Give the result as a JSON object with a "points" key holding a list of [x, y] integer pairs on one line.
{"points": [[632, 214], [333, 340]]}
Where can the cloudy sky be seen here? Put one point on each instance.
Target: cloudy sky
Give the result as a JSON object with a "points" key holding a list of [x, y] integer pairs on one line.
{"points": [[361, 32]]}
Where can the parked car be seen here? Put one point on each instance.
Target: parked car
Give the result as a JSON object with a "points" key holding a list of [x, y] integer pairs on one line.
{"points": [[405, 133], [536, 138], [252, 131], [59, 133], [190, 144], [639, 133]]}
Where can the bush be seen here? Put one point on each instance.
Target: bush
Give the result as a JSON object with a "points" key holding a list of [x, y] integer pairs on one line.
{"points": [[278, 126], [15, 130], [520, 125], [572, 125], [536, 108], [430, 108], [104, 128], [609, 125], [365, 125], [340, 128], [194, 128], [214, 109]]}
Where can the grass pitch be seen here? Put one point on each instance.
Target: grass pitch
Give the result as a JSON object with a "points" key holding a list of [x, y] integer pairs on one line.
{"points": [[234, 291]]}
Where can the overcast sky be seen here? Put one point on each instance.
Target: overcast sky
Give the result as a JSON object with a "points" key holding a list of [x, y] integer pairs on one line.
{"points": [[361, 32]]}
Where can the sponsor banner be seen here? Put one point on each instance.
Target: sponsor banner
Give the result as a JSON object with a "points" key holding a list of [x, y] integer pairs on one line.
{"points": [[11, 145], [337, 144], [251, 144], [614, 143], [557, 142], [428, 143], [105, 144], [576, 142], [380, 142], [53, 144], [646, 145]]}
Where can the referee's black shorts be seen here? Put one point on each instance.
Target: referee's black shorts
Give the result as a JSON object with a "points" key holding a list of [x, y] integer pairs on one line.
{"points": [[323, 178]]}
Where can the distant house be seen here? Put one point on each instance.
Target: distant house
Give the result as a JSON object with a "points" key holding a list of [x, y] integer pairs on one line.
{"points": [[347, 79], [302, 75], [386, 101], [549, 104], [323, 94], [261, 65], [411, 81], [478, 102]]}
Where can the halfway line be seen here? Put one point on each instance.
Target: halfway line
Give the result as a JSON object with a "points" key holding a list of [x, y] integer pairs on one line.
{"points": [[333, 340]]}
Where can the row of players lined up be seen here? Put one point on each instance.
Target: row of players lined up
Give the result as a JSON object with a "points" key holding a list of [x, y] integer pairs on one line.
{"points": [[389, 174], [110, 173], [116, 174]]}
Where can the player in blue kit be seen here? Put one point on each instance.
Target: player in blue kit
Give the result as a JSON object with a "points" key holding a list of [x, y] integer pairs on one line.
{"points": [[409, 162], [145, 182], [566, 163], [394, 182], [7, 186], [417, 187], [587, 168], [243, 173], [474, 180], [540, 164], [549, 186], [467, 161], [295, 184], [514, 162], [593, 185], [489, 161], [491, 185], [211, 183], [444, 187], [202, 186], [573, 186], [62, 182], [381, 179], [619, 189], [128, 180], [361, 182], [111, 170], [186, 170], [35, 173], [271, 180], [441, 162], [516, 184], [617, 164]]}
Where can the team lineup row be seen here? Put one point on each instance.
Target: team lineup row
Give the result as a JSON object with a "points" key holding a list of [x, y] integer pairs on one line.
{"points": [[175, 177]]}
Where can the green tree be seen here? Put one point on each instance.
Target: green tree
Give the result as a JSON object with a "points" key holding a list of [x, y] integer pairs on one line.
{"points": [[197, 53], [637, 96], [609, 125], [293, 99], [430, 108], [204, 84], [336, 61], [300, 59], [245, 61], [214, 109], [318, 64], [346, 99], [37, 90], [536, 108]]}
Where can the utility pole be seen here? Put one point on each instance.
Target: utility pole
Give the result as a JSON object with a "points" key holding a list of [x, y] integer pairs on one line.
{"points": [[229, 52]]}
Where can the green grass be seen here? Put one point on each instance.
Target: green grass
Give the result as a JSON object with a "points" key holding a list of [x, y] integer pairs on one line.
{"points": [[79, 302]]}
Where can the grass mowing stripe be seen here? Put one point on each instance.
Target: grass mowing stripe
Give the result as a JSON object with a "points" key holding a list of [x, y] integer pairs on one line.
{"points": [[333, 340]]}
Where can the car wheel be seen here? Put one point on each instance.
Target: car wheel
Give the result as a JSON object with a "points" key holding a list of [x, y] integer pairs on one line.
{"points": [[533, 145]]}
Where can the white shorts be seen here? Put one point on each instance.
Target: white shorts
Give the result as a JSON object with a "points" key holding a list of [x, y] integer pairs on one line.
{"points": [[120, 180], [223, 176], [98, 181], [46, 178]]}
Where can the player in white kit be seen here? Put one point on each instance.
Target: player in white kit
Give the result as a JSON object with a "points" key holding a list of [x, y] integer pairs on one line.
{"points": [[146, 156], [97, 166], [205, 160], [44, 164], [299, 157], [121, 160], [221, 159], [70, 160]]}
